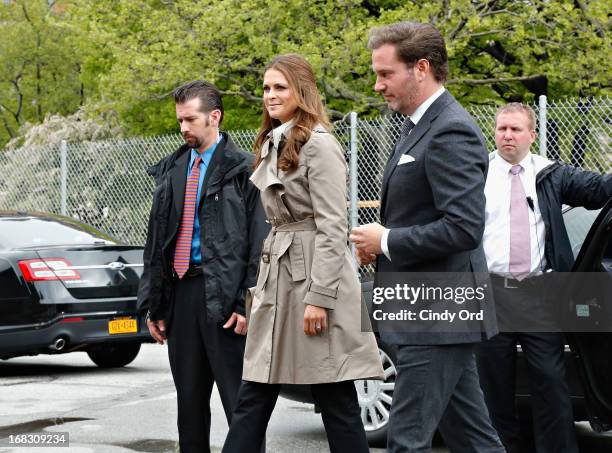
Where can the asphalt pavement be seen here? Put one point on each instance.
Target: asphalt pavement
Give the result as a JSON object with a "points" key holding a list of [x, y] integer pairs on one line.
{"points": [[123, 410], [133, 409]]}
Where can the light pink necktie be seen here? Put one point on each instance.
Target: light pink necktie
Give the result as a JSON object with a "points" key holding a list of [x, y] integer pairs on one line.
{"points": [[520, 240]]}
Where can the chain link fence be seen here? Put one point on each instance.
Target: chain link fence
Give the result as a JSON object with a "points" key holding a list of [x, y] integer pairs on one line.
{"points": [[105, 184], [578, 132]]}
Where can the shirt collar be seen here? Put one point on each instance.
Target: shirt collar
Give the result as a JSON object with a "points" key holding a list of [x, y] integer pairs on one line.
{"points": [[421, 109], [279, 131], [209, 150], [505, 166]]}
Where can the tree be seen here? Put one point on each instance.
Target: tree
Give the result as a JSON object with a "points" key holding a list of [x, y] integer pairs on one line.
{"points": [[128, 55], [40, 66]]}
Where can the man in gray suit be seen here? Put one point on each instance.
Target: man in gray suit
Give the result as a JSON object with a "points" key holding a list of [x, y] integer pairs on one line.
{"points": [[432, 209]]}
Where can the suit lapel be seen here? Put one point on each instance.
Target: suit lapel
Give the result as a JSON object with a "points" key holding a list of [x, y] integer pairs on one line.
{"points": [[179, 179], [405, 144]]}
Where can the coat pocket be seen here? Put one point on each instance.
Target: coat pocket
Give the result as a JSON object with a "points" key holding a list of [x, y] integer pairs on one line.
{"points": [[296, 256]]}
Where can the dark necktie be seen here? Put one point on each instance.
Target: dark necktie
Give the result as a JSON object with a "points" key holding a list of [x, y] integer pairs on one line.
{"points": [[407, 126], [182, 253]]}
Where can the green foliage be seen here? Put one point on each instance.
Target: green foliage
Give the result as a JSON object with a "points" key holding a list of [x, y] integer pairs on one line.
{"points": [[40, 64], [128, 55]]}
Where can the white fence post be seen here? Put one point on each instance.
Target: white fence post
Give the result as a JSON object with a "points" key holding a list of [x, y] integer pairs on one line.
{"points": [[64, 176], [542, 121]]}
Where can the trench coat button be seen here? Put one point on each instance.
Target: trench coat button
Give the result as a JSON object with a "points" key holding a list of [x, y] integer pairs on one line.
{"points": [[265, 257]]}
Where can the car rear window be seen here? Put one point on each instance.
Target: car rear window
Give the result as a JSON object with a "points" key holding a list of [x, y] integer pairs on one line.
{"points": [[578, 222], [32, 232]]}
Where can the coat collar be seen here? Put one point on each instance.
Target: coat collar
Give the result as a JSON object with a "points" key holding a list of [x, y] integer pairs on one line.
{"points": [[225, 163], [266, 174]]}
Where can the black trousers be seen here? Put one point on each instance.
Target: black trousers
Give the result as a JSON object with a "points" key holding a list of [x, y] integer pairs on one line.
{"points": [[339, 410], [553, 421], [201, 353]]}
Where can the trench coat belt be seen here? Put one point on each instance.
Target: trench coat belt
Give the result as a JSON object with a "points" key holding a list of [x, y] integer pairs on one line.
{"points": [[307, 224]]}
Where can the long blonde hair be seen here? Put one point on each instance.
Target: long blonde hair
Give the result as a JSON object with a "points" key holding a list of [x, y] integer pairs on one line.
{"points": [[310, 111]]}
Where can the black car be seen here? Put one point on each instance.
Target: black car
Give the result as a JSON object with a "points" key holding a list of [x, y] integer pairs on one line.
{"points": [[588, 355], [64, 287]]}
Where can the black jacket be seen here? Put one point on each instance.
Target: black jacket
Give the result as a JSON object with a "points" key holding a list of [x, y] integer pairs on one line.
{"points": [[232, 226], [558, 184]]}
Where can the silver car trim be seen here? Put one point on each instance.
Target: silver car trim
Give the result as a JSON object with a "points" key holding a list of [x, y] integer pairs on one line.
{"points": [[99, 266]]}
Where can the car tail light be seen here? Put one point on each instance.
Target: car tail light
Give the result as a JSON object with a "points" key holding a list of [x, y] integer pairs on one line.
{"points": [[73, 319], [48, 269]]}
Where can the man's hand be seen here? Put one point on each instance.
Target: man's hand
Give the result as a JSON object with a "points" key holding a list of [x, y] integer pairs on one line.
{"points": [[364, 258], [157, 330], [367, 239], [240, 321], [315, 320]]}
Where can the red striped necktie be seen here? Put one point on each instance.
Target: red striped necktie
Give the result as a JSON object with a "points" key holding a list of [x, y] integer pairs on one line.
{"points": [[182, 253]]}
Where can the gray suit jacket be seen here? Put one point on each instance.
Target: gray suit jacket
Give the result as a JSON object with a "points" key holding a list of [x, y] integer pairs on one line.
{"points": [[434, 207]]}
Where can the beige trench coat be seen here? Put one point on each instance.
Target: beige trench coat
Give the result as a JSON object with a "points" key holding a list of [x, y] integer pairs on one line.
{"points": [[306, 260]]}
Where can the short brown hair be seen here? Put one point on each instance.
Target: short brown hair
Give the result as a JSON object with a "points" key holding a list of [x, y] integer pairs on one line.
{"points": [[206, 92], [519, 107], [414, 41]]}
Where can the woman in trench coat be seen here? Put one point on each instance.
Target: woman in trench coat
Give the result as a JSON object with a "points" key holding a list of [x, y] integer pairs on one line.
{"points": [[306, 322]]}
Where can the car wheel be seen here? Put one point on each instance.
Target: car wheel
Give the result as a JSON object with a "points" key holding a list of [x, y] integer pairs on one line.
{"points": [[375, 398], [113, 355]]}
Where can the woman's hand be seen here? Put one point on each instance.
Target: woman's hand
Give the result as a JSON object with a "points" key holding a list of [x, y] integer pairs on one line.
{"points": [[315, 320]]}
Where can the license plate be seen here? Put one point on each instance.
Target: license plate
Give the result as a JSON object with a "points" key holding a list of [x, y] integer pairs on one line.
{"points": [[122, 325]]}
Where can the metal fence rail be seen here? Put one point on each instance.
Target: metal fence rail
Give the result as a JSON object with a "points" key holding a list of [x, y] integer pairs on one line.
{"points": [[105, 184]]}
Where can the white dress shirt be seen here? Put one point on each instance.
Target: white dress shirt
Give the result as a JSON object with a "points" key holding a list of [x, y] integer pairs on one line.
{"points": [[415, 118], [496, 239]]}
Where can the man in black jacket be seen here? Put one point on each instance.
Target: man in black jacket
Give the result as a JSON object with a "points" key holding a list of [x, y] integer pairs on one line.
{"points": [[525, 237], [206, 229]]}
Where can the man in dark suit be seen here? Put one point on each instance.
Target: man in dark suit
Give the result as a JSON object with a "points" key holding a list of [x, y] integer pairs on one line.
{"points": [[206, 229], [432, 209]]}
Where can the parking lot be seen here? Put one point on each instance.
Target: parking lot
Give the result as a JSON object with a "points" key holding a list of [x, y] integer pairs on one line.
{"points": [[133, 408], [123, 410]]}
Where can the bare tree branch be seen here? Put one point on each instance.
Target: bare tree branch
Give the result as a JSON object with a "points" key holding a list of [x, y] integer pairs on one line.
{"points": [[7, 126], [500, 11], [591, 20], [38, 65], [453, 34], [17, 113], [475, 82], [488, 32], [244, 92], [4, 108], [348, 94]]}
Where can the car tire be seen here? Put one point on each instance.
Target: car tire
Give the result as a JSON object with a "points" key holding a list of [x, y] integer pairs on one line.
{"points": [[113, 355], [375, 398]]}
